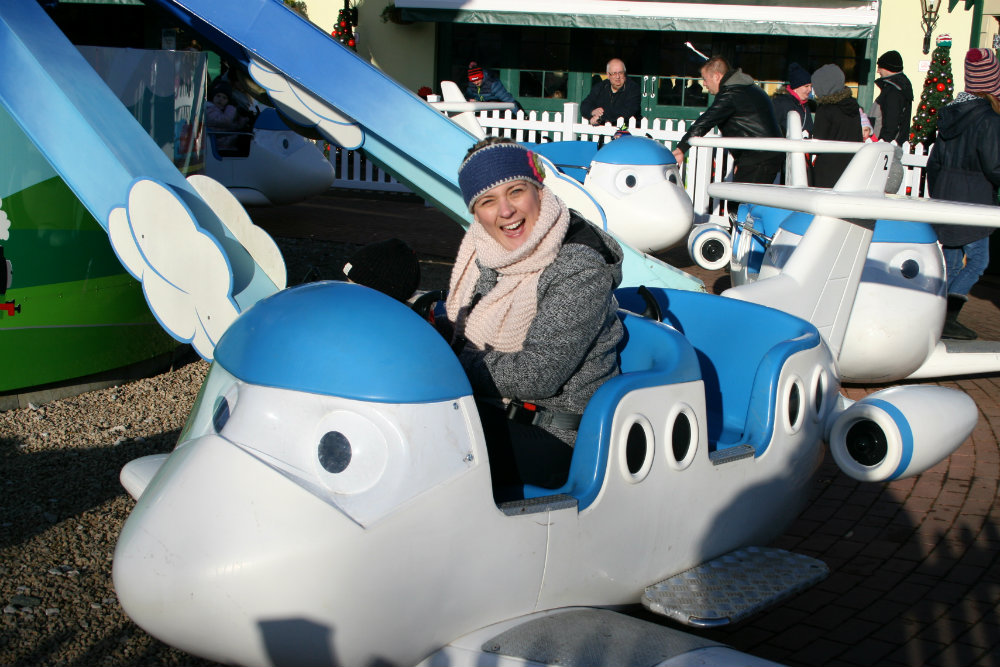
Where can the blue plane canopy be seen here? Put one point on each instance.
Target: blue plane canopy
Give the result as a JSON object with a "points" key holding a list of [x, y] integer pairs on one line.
{"points": [[629, 149], [340, 339]]}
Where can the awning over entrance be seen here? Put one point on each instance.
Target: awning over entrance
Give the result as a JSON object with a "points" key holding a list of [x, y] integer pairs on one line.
{"points": [[850, 19]]}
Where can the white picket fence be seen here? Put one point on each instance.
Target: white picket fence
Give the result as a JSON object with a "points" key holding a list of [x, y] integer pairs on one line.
{"points": [[703, 165]]}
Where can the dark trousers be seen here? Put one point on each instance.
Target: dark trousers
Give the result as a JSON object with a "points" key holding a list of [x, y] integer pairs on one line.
{"points": [[521, 454], [759, 172]]}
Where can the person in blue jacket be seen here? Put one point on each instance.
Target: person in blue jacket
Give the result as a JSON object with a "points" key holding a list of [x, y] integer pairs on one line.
{"points": [[483, 87]]}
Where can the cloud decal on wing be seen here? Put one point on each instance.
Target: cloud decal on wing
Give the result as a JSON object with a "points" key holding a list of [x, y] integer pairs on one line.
{"points": [[306, 109], [184, 273]]}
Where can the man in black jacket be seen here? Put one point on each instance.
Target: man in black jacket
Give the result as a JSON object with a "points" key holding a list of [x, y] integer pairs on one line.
{"points": [[615, 97], [894, 104], [740, 109]]}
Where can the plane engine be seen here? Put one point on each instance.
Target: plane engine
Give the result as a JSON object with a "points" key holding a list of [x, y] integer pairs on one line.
{"points": [[898, 432], [710, 246]]}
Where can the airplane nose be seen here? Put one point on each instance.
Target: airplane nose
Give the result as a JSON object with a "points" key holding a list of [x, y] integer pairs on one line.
{"points": [[212, 559], [654, 218]]}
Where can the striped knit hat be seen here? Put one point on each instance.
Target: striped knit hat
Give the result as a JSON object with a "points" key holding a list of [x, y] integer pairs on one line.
{"points": [[496, 164], [475, 73], [982, 72]]}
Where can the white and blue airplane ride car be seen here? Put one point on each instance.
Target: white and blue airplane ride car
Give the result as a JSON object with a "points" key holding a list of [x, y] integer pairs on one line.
{"points": [[329, 500], [877, 293]]}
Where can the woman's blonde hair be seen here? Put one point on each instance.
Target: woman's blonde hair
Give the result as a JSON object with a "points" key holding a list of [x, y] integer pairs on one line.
{"points": [[994, 101]]}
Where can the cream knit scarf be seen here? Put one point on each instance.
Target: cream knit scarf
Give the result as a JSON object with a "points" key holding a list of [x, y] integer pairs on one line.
{"points": [[502, 317]]}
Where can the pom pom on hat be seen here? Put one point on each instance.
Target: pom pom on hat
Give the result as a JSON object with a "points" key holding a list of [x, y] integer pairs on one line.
{"points": [[982, 72], [890, 60], [475, 73], [389, 266], [797, 76], [496, 164]]}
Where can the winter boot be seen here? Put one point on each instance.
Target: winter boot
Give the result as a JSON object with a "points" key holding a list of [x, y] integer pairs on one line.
{"points": [[952, 327]]}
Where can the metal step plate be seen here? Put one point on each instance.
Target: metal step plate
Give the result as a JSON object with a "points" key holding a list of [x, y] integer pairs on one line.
{"points": [[733, 586]]}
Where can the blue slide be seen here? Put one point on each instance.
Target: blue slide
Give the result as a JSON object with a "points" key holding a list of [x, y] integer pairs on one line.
{"points": [[136, 193]]}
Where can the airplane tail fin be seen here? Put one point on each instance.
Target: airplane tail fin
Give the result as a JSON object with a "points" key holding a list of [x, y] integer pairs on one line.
{"points": [[450, 92], [876, 168]]}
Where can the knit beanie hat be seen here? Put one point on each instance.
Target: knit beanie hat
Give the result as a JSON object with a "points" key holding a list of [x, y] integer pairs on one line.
{"points": [[221, 86], [890, 60], [495, 164], [865, 120], [797, 76], [827, 80], [389, 266], [982, 72], [475, 73]]}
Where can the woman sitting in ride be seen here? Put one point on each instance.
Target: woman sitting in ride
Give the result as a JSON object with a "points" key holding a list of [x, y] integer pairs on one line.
{"points": [[532, 312]]}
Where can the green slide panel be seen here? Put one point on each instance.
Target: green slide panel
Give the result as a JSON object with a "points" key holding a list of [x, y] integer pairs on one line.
{"points": [[68, 309]]}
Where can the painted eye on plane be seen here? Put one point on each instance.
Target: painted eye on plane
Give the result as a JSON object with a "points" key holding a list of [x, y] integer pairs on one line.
{"points": [[352, 453], [214, 406], [626, 180], [334, 452]]}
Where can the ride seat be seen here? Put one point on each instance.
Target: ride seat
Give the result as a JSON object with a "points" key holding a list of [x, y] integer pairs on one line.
{"points": [[741, 349], [651, 354]]}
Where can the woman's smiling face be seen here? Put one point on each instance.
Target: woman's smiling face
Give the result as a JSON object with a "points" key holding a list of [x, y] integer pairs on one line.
{"points": [[509, 212]]}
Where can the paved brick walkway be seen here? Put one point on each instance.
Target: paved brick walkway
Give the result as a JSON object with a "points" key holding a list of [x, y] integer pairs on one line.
{"points": [[915, 572]]}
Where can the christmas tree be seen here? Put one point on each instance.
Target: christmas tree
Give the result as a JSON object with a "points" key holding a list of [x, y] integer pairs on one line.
{"points": [[938, 89], [343, 29]]}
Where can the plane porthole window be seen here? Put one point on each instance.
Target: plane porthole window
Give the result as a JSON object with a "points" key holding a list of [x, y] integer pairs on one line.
{"points": [[680, 437], [910, 269], [637, 453], [682, 434], [334, 452], [793, 405], [819, 393]]}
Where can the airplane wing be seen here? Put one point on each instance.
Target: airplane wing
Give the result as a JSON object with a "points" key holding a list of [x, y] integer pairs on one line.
{"points": [[860, 205], [960, 357]]}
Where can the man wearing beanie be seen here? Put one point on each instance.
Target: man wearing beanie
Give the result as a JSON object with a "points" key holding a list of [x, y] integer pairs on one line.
{"points": [[894, 105], [964, 165], [793, 97], [484, 87]]}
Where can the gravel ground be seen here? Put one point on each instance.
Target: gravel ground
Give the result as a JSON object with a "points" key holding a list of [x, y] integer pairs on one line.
{"points": [[62, 506]]}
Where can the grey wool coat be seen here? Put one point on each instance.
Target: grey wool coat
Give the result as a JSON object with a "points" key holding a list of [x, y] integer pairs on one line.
{"points": [[571, 346]]}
